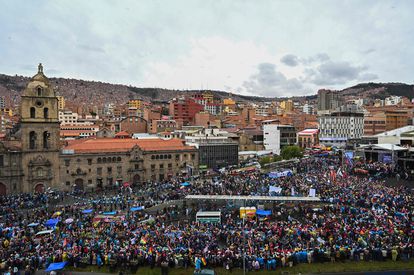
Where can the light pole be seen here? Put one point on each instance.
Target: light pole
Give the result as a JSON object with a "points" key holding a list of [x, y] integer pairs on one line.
{"points": [[244, 240]]}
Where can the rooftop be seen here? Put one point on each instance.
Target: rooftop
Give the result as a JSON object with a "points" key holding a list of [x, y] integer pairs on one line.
{"points": [[125, 145]]}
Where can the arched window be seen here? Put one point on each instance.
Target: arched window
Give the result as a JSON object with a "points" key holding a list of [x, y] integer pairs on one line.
{"points": [[104, 160], [45, 112], [46, 136], [99, 160], [32, 112], [39, 91], [119, 159], [32, 140], [114, 159]]}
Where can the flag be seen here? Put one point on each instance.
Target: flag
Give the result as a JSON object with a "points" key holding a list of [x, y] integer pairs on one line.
{"points": [[204, 261], [292, 191], [143, 241], [65, 242]]}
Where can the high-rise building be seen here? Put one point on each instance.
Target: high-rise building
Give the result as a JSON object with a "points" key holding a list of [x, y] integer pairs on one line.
{"points": [[329, 100], [184, 109], [2, 102], [337, 127], [287, 105], [275, 136], [61, 102]]}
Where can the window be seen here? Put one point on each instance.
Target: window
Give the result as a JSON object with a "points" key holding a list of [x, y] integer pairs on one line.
{"points": [[114, 159], [1, 160], [67, 183], [109, 169], [32, 112], [89, 182], [46, 136], [99, 160], [136, 166], [46, 113], [161, 166], [39, 172], [39, 91], [89, 161], [67, 162], [169, 165], [119, 159], [32, 139], [119, 169], [99, 171], [104, 160], [152, 166]]}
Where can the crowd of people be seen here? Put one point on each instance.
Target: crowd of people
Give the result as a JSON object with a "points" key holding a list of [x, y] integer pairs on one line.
{"points": [[360, 218]]}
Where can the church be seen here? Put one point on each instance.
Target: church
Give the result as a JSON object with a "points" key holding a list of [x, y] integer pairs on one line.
{"points": [[32, 158]]}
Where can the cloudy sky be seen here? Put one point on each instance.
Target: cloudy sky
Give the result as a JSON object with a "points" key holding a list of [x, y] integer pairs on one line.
{"points": [[266, 48]]}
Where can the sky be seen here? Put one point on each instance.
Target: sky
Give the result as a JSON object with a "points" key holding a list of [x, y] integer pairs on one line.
{"points": [[263, 48]]}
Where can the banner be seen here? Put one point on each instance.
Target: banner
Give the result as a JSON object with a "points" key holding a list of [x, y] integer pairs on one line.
{"points": [[275, 189], [312, 192]]}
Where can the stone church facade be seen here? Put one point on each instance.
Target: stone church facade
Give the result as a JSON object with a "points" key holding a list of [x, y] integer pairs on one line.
{"points": [[32, 158]]}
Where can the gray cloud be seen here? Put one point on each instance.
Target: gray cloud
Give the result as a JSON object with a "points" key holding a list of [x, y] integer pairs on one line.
{"points": [[320, 57], [337, 73], [270, 82], [290, 60]]}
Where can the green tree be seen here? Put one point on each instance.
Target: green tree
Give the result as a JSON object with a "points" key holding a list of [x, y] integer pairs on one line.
{"points": [[292, 151], [265, 160]]}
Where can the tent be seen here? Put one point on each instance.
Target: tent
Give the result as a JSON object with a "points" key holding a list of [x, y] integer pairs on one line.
{"points": [[52, 222], [260, 212], [87, 211], [137, 208], [56, 266], [185, 184]]}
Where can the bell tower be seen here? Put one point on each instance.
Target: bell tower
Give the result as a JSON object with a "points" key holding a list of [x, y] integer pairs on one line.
{"points": [[39, 121]]}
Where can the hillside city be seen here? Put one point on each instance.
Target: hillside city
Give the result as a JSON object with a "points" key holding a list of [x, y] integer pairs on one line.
{"points": [[108, 178]]}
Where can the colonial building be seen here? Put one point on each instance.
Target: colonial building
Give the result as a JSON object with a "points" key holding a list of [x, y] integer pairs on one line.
{"points": [[97, 163], [32, 158]]}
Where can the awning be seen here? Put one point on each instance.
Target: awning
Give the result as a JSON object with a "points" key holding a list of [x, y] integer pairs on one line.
{"points": [[56, 266]]}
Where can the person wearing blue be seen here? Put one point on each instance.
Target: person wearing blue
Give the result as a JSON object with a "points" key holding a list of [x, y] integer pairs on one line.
{"points": [[198, 265]]}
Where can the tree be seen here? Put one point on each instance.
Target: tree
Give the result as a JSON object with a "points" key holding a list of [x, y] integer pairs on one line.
{"points": [[292, 151]]}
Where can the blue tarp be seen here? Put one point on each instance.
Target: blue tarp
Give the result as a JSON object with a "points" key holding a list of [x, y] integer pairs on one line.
{"points": [[260, 212], [52, 222], [185, 184], [56, 266], [87, 211], [110, 213], [136, 208]]}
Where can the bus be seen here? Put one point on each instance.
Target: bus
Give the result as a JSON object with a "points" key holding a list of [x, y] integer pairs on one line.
{"points": [[208, 216]]}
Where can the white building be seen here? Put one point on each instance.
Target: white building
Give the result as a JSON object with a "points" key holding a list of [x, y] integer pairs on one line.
{"points": [[275, 136], [392, 100], [262, 110], [307, 109], [68, 117], [337, 127]]}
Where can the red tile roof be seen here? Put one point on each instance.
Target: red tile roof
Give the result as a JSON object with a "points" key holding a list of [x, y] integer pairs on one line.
{"points": [[123, 145]]}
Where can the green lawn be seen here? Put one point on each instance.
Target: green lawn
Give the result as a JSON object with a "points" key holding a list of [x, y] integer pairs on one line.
{"points": [[302, 268]]}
